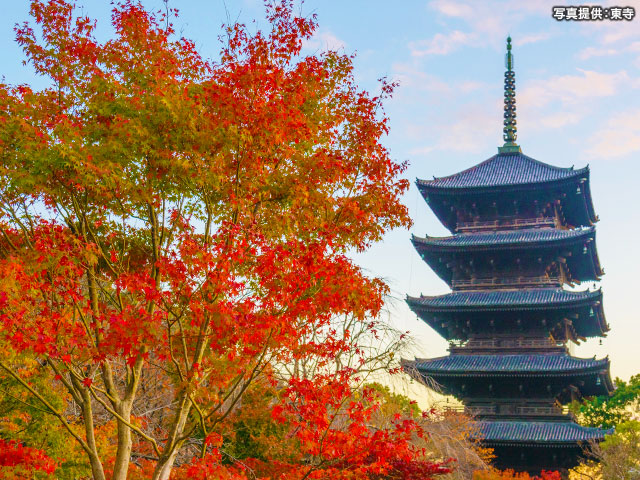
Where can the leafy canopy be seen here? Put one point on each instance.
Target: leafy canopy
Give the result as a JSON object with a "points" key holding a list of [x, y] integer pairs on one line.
{"points": [[173, 228], [610, 411]]}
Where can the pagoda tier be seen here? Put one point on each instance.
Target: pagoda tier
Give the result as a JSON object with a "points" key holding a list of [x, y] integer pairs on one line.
{"points": [[541, 256], [565, 315], [511, 190], [536, 445], [522, 229], [515, 376]]}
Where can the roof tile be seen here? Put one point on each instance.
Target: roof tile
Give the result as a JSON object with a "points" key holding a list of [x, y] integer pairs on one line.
{"points": [[507, 363], [533, 235], [513, 299], [561, 432], [505, 169]]}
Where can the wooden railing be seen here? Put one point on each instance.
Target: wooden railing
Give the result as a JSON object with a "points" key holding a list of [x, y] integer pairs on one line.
{"points": [[511, 342], [506, 409], [507, 223], [496, 282], [484, 410], [530, 410]]}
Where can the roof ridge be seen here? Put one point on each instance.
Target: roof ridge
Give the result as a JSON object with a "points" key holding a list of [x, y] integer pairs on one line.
{"points": [[581, 230], [493, 355], [553, 167], [503, 363], [533, 171], [475, 167], [542, 422], [507, 290]]}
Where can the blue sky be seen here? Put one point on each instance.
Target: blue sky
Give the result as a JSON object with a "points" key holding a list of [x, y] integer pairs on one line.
{"points": [[578, 100]]}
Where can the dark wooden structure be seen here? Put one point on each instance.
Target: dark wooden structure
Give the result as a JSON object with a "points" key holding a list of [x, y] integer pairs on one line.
{"points": [[522, 230]]}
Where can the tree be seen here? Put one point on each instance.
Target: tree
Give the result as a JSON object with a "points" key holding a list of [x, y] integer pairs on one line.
{"points": [[448, 436], [20, 462], [25, 420], [618, 456], [608, 411], [172, 228], [511, 475]]}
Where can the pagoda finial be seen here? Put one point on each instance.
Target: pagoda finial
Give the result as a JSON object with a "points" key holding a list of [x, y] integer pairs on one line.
{"points": [[510, 128]]}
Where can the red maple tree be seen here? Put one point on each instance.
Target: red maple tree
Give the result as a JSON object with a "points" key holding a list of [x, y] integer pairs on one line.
{"points": [[172, 228], [18, 461]]}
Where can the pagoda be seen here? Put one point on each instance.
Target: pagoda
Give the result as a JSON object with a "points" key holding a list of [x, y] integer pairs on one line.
{"points": [[522, 233]]}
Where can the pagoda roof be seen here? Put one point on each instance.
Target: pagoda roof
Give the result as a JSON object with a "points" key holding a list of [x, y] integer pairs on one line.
{"points": [[589, 375], [500, 365], [504, 169], [450, 314], [537, 432], [505, 177], [438, 251], [491, 300], [508, 238]]}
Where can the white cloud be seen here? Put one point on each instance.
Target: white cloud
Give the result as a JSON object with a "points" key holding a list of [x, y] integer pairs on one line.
{"points": [[324, 40], [623, 32], [609, 33], [471, 86], [486, 23], [452, 8], [619, 137], [471, 132], [421, 150], [559, 101], [571, 89], [490, 20], [589, 52], [471, 129], [412, 77], [441, 44], [560, 119], [531, 38]]}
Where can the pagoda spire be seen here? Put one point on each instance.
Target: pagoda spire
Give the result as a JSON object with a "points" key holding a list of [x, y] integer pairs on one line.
{"points": [[510, 128]]}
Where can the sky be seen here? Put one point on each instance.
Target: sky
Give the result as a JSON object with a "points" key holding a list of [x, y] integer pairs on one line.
{"points": [[578, 103]]}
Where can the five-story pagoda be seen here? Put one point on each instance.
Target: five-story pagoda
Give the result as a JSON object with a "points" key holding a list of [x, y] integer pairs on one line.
{"points": [[522, 230]]}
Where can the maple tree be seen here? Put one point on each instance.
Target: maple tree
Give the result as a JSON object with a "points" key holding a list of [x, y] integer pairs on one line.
{"points": [[18, 461], [173, 230]]}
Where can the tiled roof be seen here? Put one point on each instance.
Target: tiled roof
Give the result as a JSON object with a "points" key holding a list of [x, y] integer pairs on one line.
{"points": [[534, 235], [474, 364], [546, 432], [500, 299], [505, 169]]}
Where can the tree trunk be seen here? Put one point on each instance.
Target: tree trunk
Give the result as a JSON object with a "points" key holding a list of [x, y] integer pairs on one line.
{"points": [[123, 453], [94, 459], [164, 467], [165, 463]]}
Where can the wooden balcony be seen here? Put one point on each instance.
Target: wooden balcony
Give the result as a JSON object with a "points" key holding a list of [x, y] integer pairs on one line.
{"points": [[481, 410], [506, 282], [507, 345], [541, 411], [511, 343], [510, 410], [507, 223]]}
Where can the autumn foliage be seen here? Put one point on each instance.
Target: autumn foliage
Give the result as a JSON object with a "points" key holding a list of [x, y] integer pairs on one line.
{"points": [[173, 231], [18, 461], [511, 475]]}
